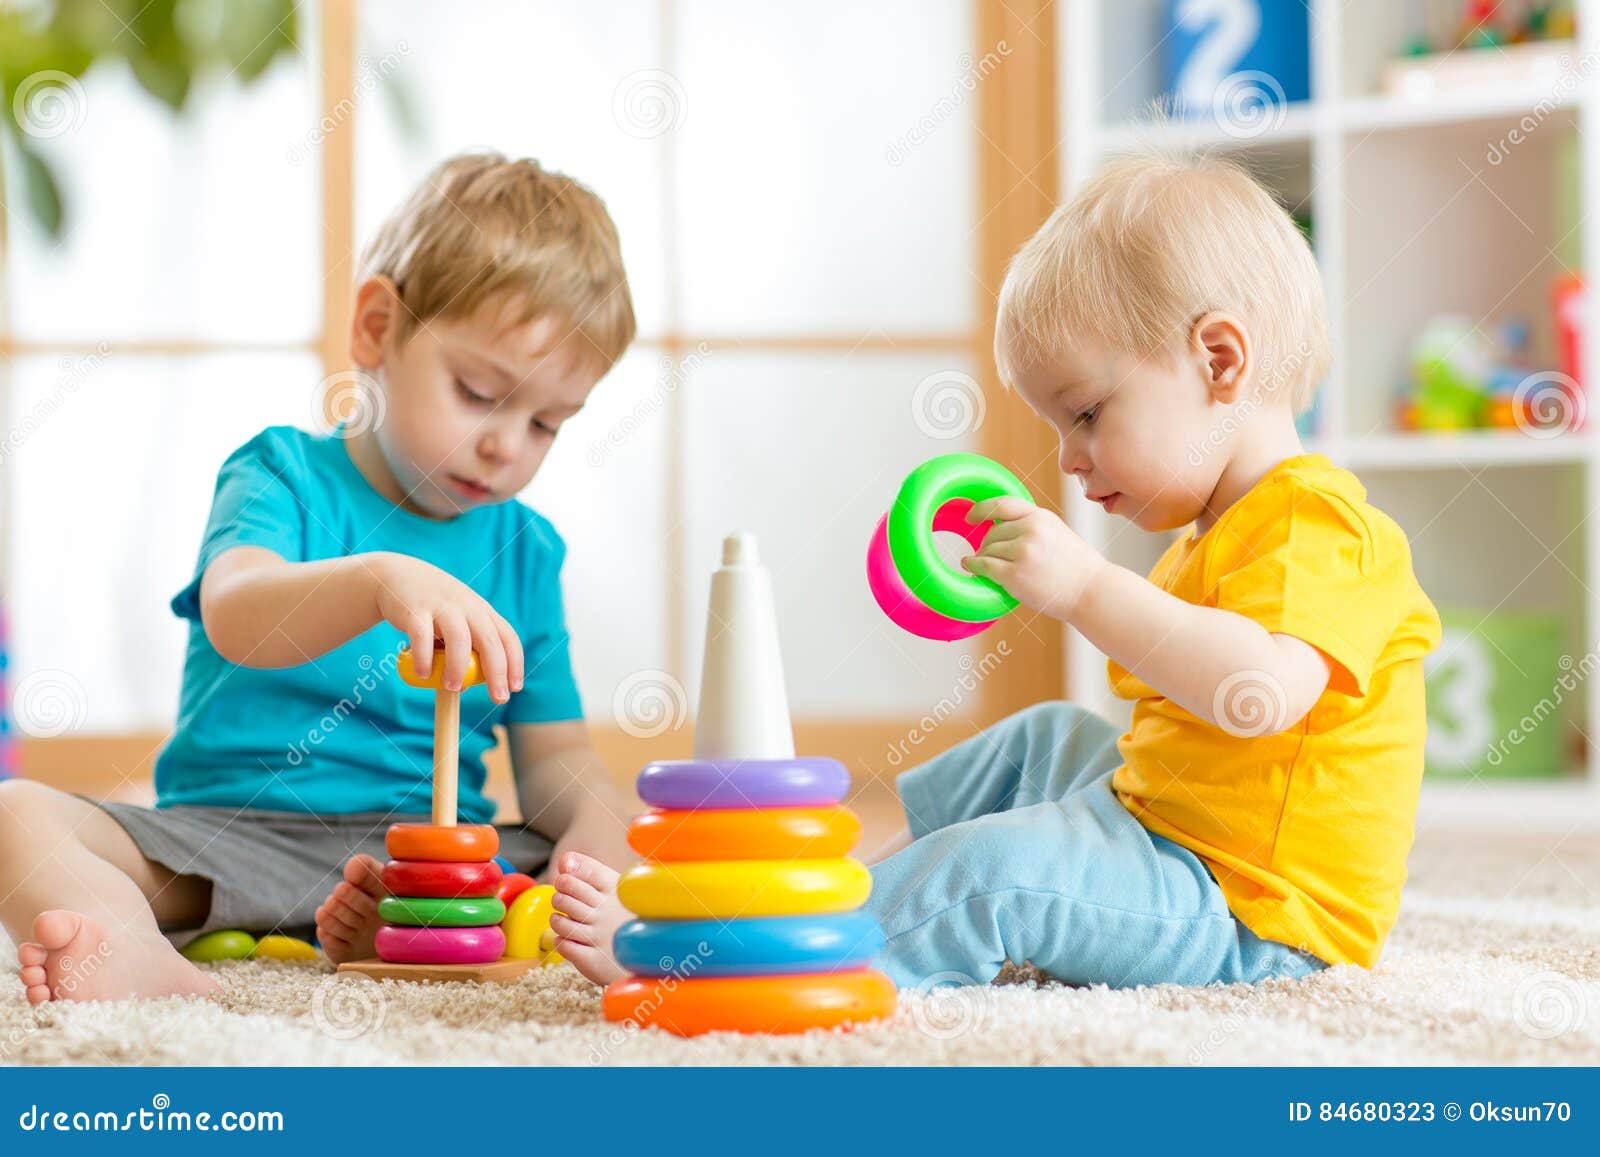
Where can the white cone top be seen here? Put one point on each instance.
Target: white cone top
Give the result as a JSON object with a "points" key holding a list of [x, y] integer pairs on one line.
{"points": [[744, 707]]}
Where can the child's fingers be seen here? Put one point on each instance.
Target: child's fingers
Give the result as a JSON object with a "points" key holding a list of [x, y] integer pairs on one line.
{"points": [[419, 630], [1003, 509], [491, 655], [451, 626], [986, 567], [1006, 549], [513, 645]]}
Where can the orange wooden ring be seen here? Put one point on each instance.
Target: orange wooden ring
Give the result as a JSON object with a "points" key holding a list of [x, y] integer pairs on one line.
{"points": [[758, 1004], [435, 679], [804, 833], [462, 844]]}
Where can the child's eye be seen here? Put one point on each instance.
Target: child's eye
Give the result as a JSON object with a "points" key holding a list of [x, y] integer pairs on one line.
{"points": [[544, 427], [1087, 416], [470, 394]]}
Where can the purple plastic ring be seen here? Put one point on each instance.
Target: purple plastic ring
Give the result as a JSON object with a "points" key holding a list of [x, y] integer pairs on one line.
{"points": [[690, 784]]}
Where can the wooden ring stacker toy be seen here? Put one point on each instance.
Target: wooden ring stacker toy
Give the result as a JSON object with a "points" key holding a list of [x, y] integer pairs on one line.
{"points": [[448, 864]]}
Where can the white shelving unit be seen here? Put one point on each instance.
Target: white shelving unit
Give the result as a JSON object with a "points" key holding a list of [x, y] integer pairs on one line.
{"points": [[1411, 219]]}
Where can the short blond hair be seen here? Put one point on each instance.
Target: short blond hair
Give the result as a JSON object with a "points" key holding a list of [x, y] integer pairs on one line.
{"points": [[1153, 242], [482, 230]]}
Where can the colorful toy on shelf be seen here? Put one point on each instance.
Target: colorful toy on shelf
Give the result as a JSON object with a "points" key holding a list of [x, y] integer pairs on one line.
{"points": [[1486, 44], [910, 582], [747, 900], [450, 912], [1461, 380]]}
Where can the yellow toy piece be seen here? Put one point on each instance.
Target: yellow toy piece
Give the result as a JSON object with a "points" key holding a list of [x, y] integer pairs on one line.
{"points": [[285, 948], [527, 926], [734, 889], [408, 671], [223, 944]]}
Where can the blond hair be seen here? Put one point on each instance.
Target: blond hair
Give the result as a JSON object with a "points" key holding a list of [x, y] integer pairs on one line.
{"points": [[1153, 242], [481, 230]]}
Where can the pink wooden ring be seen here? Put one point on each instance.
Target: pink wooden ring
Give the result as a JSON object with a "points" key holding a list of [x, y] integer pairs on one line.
{"points": [[904, 609], [399, 945]]}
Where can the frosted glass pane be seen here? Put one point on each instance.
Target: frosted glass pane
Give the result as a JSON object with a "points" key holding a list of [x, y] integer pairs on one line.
{"points": [[200, 226], [603, 486], [528, 79], [109, 467], [827, 159], [808, 452]]}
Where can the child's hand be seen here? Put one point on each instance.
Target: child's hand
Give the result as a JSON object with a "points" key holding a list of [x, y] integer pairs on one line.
{"points": [[1038, 559], [428, 604]]}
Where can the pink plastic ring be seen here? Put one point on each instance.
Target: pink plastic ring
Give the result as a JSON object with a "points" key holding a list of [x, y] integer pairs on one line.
{"points": [[904, 609], [399, 945]]}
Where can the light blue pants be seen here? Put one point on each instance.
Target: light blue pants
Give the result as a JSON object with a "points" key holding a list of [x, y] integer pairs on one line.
{"points": [[1023, 852]]}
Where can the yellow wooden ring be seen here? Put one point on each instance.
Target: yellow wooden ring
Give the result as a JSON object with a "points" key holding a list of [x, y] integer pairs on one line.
{"points": [[730, 889], [435, 679], [527, 925]]}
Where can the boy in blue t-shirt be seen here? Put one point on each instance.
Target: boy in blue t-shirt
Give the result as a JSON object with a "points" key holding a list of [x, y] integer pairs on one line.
{"points": [[488, 307]]}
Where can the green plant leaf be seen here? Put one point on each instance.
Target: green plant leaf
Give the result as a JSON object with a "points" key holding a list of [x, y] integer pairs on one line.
{"points": [[41, 191]]}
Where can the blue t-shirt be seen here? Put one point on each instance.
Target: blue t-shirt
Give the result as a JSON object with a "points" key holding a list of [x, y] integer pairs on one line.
{"points": [[343, 733]]}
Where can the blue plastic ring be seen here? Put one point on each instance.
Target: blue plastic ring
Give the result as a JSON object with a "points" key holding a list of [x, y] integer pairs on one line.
{"points": [[768, 946], [690, 784]]}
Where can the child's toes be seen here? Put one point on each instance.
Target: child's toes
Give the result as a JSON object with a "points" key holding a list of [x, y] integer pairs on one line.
{"points": [[366, 875], [567, 904], [30, 954], [590, 870], [590, 961], [354, 900], [569, 929]]}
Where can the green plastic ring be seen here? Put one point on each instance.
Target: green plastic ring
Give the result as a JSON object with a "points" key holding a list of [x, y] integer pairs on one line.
{"points": [[436, 912], [966, 597]]}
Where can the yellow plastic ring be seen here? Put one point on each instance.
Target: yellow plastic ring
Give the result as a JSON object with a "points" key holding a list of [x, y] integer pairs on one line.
{"points": [[435, 679], [730, 889]]}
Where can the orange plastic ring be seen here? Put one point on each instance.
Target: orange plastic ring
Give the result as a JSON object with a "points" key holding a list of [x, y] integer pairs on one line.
{"points": [[804, 833], [759, 1004], [463, 844], [435, 679]]}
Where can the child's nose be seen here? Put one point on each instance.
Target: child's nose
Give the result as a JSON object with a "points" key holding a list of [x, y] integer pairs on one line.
{"points": [[1073, 459]]}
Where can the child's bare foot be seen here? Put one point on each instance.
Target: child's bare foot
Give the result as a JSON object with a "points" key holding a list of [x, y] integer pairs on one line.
{"points": [[71, 957], [589, 913], [347, 922]]}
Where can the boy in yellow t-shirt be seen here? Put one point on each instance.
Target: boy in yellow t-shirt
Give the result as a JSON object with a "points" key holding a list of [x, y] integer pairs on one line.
{"points": [[1255, 819]]}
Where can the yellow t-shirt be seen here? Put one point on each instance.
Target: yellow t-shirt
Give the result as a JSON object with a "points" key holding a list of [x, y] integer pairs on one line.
{"points": [[1307, 830]]}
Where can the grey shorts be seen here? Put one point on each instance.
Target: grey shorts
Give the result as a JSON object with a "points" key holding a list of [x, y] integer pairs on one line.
{"points": [[270, 870]]}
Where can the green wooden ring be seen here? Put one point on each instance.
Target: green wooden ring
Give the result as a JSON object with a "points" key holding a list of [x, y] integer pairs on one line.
{"points": [[966, 597], [439, 912]]}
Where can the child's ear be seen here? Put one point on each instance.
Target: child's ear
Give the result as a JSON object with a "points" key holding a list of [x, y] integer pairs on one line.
{"points": [[1222, 348], [376, 307]]}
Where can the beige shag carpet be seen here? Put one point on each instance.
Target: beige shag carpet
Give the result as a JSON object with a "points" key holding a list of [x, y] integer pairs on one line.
{"points": [[1496, 960]]}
